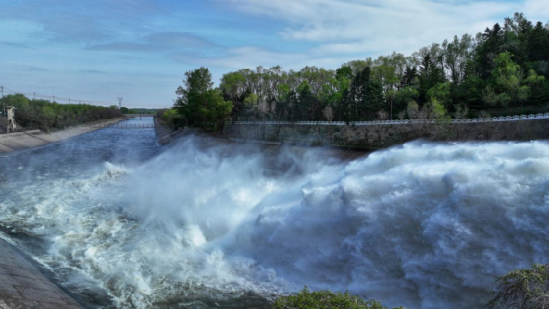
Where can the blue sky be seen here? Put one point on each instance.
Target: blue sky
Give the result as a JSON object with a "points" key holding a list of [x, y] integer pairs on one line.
{"points": [[140, 49]]}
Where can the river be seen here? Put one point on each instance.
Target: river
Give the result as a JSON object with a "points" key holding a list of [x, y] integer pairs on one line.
{"points": [[122, 222]]}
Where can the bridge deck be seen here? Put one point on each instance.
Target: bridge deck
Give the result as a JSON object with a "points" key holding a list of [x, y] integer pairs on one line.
{"points": [[126, 126]]}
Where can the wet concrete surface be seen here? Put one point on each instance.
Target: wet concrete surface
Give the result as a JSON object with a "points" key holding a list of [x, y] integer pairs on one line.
{"points": [[22, 286]]}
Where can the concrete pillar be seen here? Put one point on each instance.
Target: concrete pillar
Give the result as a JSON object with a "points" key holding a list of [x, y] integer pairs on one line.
{"points": [[11, 119]]}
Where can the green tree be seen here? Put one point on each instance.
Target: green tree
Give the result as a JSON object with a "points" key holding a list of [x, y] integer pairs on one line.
{"points": [[456, 54], [522, 289], [442, 93], [232, 86], [538, 43], [430, 75], [506, 82], [199, 104]]}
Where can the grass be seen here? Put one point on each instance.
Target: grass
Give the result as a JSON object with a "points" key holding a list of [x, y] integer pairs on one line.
{"points": [[306, 299]]}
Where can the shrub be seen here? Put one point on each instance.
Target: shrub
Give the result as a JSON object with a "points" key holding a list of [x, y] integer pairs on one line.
{"points": [[306, 299], [522, 288]]}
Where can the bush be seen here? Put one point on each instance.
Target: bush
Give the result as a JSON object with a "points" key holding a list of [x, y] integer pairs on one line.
{"points": [[47, 115], [522, 289], [324, 300]]}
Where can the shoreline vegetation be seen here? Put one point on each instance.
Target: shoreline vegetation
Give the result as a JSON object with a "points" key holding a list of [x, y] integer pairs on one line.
{"points": [[48, 116], [498, 72], [522, 288]]}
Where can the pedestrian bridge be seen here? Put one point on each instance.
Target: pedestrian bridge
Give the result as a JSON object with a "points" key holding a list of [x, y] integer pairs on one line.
{"points": [[124, 125], [138, 115]]}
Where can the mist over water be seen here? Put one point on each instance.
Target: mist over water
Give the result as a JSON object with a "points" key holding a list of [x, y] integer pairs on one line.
{"points": [[422, 225]]}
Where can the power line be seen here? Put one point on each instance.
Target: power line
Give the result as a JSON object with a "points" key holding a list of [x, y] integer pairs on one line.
{"points": [[62, 100]]}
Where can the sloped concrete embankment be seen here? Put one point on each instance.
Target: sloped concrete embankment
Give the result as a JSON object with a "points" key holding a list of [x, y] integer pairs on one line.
{"points": [[166, 135], [21, 140], [23, 286], [381, 136]]}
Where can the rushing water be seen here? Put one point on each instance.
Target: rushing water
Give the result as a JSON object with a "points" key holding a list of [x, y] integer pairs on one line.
{"points": [[126, 223]]}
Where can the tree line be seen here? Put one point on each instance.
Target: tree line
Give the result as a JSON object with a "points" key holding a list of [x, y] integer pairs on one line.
{"points": [[502, 67], [48, 115]]}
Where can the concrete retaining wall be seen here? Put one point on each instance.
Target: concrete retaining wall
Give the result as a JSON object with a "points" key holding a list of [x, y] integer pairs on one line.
{"points": [[384, 135], [23, 286], [30, 139]]}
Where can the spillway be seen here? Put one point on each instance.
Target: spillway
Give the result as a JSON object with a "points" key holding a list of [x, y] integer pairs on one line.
{"points": [[123, 222]]}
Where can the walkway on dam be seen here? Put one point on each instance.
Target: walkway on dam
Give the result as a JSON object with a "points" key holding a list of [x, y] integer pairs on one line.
{"points": [[22, 286]]}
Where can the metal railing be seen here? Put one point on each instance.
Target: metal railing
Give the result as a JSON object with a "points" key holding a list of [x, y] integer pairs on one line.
{"points": [[391, 122], [123, 125]]}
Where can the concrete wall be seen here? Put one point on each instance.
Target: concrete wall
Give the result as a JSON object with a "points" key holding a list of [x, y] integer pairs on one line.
{"points": [[23, 286], [29, 139], [384, 135]]}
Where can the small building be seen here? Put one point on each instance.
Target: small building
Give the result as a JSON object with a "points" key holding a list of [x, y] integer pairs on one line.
{"points": [[12, 126]]}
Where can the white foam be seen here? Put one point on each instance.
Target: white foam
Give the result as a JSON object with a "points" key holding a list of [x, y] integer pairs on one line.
{"points": [[422, 225]]}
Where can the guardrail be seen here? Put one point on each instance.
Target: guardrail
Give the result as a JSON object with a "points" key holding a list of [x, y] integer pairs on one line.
{"points": [[388, 122], [123, 125]]}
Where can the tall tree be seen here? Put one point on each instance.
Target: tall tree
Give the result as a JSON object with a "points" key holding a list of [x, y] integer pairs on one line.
{"points": [[199, 104], [506, 85]]}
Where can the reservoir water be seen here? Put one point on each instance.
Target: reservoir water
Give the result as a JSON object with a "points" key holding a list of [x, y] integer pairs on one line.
{"points": [[122, 222]]}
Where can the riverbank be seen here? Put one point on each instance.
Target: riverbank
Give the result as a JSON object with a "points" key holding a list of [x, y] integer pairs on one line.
{"points": [[379, 136], [363, 139], [271, 150], [23, 286], [21, 140]]}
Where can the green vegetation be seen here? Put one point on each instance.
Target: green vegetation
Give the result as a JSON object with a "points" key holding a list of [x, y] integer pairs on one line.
{"points": [[519, 289], [501, 68], [201, 105], [126, 110], [46, 115], [306, 299], [522, 289], [169, 117]]}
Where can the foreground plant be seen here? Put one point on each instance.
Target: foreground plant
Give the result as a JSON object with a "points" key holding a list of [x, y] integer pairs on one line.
{"points": [[522, 289], [306, 299]]}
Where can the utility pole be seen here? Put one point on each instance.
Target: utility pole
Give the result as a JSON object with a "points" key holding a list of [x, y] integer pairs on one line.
{"points": [[34, 95], [53, 99], [119, 102], [3, 104]]}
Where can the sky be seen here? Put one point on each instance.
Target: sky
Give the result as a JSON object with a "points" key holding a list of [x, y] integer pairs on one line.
{"points": [[99, 50]]}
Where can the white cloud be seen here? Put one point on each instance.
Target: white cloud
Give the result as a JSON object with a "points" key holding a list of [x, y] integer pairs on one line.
{"points": [[536, 8], [376, 28], [252, 57]]}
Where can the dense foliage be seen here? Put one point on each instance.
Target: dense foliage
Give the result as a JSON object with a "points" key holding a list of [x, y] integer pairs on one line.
{"points": [[126, 110], [169, 117], [46, 115], [306, 299], [199, 104], [522, 289], [502, 67]]}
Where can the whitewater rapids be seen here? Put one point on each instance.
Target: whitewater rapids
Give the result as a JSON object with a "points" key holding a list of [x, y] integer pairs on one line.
{"points": [[421, 225]]}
